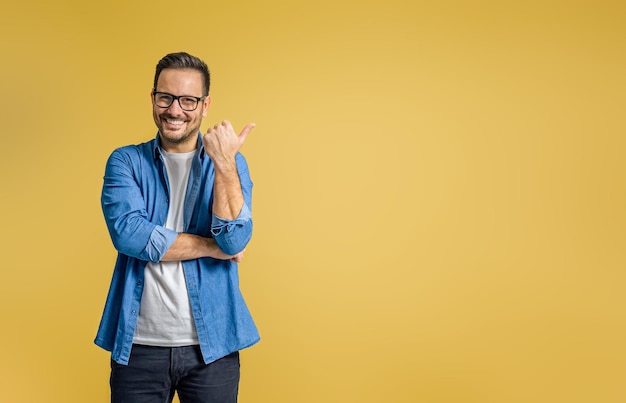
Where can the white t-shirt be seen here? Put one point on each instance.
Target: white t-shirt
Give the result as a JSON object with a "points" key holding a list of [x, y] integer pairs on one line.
{"points": [[165, 317]]}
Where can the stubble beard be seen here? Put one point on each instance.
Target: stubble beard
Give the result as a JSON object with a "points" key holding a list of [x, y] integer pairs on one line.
{"points": [[174, 139]]}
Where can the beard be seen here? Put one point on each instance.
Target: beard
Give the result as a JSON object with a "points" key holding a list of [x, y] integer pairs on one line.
{"points": [[170, 134]]}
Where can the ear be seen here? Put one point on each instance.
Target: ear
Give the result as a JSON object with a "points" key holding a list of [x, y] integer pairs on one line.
{"points": [[205, 105]]}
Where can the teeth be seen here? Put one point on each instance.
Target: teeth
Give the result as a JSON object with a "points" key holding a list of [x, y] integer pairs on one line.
{"points": [[174, 122]]}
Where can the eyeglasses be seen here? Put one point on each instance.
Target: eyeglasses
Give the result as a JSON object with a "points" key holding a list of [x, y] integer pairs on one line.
{"points": [[186, 102]]}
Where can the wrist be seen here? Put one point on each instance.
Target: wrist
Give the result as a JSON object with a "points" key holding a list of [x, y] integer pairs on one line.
{"points": [[225, 165], [214, 251]]}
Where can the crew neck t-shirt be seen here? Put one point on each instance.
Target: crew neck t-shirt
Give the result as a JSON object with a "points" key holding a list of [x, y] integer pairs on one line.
{"points": [[165, 317]]}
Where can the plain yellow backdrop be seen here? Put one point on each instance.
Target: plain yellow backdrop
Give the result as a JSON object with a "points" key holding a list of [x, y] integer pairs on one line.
{"points": [[439, 191]]}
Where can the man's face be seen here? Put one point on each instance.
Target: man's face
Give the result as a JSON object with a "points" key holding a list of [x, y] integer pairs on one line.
{"points": [[177, 127]]}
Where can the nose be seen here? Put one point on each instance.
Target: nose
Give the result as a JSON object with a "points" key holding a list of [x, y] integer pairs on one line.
{"points": [[174, 108]]}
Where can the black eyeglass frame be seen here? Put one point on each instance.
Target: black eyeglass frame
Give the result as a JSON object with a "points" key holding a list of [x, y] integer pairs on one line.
{"points": [[177, 98]]}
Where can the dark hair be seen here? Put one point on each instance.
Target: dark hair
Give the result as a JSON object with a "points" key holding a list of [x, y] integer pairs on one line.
{"points": [[182, 60]]}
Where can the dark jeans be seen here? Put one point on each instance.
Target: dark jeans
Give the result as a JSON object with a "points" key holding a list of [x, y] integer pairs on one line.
{"points": [[153, 374]]}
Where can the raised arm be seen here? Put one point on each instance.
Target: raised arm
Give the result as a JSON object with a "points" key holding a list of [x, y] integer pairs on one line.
{"points": [[232, 187], [222, 144]]}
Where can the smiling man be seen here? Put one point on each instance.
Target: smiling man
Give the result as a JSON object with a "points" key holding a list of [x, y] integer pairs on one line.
{"points": [[178, 209]]}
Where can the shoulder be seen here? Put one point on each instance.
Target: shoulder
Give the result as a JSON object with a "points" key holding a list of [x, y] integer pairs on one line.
{"points": [[135, 151], [132, 157]]}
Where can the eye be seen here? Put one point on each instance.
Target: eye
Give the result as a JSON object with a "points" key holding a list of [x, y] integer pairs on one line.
{"points": [[188, 102], [163, 98]]}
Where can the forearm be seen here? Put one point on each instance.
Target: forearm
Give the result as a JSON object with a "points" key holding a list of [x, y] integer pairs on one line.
{"points": [[228, 197], [189, 246]]}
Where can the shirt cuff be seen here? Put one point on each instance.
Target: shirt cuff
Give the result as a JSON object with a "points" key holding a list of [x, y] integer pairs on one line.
{"points": [[220, 224], [160, 241]]}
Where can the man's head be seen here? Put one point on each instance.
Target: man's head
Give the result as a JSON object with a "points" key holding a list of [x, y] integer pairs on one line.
{"points": [[180, 100], [182, 60]]}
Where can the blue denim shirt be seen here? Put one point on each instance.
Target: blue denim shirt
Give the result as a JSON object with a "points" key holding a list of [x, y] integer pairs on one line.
{"points": [[135, 203]]}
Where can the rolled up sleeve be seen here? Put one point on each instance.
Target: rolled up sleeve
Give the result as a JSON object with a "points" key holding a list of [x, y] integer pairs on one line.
{"points": [[232, 236]]}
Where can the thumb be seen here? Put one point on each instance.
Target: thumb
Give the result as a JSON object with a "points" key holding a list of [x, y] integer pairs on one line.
{"points": [[246, 130]]}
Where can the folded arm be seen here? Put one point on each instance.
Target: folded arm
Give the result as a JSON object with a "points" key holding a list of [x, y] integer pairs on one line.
{"points": [[132, 232], [189, 246]]}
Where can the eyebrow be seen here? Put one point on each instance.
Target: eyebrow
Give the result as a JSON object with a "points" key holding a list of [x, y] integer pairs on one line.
{"points": [[174, 95]]}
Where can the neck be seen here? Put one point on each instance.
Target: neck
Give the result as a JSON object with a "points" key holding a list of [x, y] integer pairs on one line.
{"points": [[186, 146]]}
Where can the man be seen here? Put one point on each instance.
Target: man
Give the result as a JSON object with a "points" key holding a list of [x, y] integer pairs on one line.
{"points": [[178, 212]]}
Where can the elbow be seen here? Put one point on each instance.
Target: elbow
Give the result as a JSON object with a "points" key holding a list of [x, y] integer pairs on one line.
{"points": [[127, 247], [143, 245], [232, 246], [136, 251], [233, 240]]}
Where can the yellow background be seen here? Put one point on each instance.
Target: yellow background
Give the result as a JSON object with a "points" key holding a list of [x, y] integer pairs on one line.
{"points": [[439, 191]]}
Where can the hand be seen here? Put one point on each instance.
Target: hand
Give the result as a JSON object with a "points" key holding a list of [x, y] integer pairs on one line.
{"points": [[237, 258], [221, 143], [233, 258]]}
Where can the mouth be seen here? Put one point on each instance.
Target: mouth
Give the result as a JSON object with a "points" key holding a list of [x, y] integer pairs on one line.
{"points": [[174, 123]]}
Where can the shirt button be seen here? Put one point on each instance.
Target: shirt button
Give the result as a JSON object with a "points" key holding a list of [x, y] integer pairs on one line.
{"points": [[133, 312], [138, 282]]}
